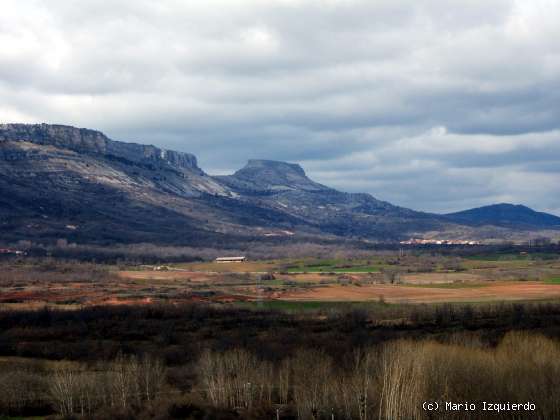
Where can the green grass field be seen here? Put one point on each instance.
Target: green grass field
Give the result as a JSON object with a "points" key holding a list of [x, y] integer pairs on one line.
{"points": [[555, 280]]}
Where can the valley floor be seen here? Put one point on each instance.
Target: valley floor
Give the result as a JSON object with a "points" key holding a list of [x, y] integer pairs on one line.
{"points": [[381, 278]]}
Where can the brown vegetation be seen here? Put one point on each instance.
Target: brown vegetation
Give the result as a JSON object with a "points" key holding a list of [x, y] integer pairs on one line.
{"points": [[350, 364]]}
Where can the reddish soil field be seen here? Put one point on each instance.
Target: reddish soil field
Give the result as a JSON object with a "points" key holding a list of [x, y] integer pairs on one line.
{"points": [[168, 275], [406, 294], [128, 288], [148, 287], [212, 277]]}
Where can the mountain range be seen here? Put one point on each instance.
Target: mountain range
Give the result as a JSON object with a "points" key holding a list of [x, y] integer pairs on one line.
{"points": [[64, 182]]}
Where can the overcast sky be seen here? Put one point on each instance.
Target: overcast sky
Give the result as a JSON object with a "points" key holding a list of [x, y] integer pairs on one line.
{"points": [[434, 105]]}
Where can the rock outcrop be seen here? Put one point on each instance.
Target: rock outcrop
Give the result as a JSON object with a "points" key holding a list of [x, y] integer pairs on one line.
{"points": [[87, 141], [271, 175]]}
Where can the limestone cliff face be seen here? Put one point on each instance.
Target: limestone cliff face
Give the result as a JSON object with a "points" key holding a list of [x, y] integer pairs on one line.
{"points": [[67, 156], [83, 140], [54, 176]]}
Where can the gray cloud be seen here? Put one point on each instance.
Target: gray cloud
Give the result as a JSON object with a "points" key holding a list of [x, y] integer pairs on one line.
{"points": [[434, 105]]}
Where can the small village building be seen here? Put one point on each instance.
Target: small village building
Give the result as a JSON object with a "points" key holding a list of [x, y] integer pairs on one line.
{"points": [[231, 259]]}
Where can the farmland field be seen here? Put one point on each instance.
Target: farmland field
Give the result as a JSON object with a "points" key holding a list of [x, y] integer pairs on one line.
{"points": [[387, 278], [499, 291], [333, 266]]}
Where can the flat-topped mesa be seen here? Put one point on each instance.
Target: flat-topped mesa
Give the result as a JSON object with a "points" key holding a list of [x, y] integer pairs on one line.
{"points": [[274, 175], [274, 165], [83, 140]]}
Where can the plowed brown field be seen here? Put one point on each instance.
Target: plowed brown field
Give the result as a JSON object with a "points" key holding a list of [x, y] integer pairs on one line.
{"points": [[407, 294]]}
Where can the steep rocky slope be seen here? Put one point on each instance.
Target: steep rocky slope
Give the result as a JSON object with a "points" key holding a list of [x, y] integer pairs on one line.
{"points": [[56, 149]]}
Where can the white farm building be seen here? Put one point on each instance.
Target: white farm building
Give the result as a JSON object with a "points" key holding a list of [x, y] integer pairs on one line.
{"points": [[230, 259]]}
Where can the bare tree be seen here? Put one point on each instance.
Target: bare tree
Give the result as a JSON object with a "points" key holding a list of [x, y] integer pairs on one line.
{"points": [[312, 382], [125, 374], [236, 379], [151, 376], [64, 389], [402, 382], [284, 378], [362, 382]]}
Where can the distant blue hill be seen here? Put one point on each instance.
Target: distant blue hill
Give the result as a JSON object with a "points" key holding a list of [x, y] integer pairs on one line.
{"points": [[507, 215]]}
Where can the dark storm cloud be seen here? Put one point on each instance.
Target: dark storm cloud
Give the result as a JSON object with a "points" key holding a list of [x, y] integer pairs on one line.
{"points": [[434, 105]]}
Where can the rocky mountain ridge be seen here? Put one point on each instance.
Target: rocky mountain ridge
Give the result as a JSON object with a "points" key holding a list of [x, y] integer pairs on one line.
{"points": [[54, 176], [83, 140]]}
